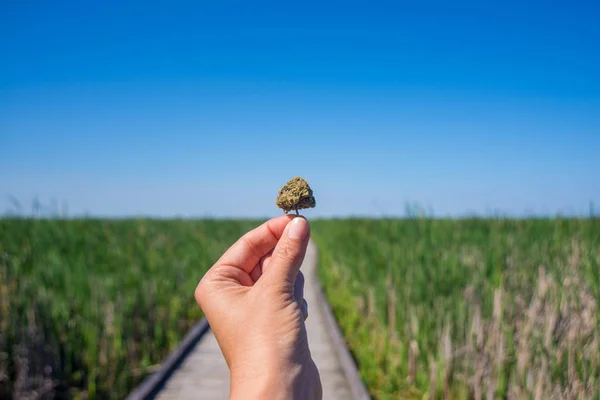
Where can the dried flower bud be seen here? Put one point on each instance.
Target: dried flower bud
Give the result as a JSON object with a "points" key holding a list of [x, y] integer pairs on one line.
{"points": [[295, 195]]}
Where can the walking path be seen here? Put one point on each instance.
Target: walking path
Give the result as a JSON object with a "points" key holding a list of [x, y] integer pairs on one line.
{"points": [[204, 373]]}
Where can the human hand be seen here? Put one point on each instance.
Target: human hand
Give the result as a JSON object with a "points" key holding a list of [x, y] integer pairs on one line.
{"points": [[253, 300]]}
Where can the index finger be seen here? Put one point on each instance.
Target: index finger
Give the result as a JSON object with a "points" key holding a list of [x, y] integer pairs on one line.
{"points": [[247, 251]]}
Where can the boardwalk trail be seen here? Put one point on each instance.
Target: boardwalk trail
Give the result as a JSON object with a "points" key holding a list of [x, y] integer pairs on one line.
{"points": [[204, 373]]}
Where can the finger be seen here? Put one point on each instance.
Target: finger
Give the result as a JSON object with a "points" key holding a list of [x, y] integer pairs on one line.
{"points": [[264, 263], [256, 272], [261, 267], [218, 278], [299, 288], [289, 252], [250, 248], [299, 295], [304, 308]]}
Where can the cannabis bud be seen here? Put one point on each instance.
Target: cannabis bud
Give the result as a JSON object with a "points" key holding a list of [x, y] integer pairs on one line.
{"points": [[295, 195]]}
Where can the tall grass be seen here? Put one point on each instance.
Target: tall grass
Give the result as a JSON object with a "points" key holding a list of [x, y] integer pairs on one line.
{"points": [[430, 308], [467, 308], [89, 307]]}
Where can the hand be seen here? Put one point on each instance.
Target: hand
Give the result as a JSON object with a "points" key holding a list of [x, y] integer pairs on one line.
{"points": [[253, 300]]}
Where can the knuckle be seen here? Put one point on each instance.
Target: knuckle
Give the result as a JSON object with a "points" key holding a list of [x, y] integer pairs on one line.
{"points": [[245, 240], [202, 289], [199, 293]]}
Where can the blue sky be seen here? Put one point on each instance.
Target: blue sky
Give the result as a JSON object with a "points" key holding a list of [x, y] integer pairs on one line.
{"points": [[193, 109]]}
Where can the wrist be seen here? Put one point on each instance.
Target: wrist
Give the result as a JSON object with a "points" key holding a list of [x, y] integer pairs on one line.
{"points": [[275, 382]]}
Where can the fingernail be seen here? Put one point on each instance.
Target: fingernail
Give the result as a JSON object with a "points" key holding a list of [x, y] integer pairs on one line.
{"points": [[298, 228]]}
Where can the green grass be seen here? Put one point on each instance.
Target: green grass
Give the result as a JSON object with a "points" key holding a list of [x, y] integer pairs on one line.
{"points": [[467, 308], [89, 307], [452, 309]]}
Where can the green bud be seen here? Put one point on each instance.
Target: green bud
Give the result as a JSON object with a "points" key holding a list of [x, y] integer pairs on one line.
{"points": [[295, 195]]}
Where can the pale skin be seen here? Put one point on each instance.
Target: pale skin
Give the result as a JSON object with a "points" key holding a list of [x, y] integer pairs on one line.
{"points": [[253, 300]]}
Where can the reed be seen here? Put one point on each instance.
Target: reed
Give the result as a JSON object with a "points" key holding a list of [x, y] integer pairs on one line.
{"points": [[476, 308]]}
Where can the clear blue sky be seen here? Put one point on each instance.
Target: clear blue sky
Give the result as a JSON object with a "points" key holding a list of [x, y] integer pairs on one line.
{"points": [[192, 109]]}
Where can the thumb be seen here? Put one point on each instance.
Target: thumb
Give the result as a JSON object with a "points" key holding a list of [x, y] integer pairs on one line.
{"points": [[289, 252]]}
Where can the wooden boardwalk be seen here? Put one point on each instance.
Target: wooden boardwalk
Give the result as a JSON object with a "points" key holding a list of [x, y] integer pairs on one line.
{"points": [[204, 373]]}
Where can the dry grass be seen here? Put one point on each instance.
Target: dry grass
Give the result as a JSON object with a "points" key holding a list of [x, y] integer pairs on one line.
{"points": [[468, 309]]}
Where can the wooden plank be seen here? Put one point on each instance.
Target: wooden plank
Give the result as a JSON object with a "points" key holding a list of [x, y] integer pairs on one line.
{"points": [[154, 383]]}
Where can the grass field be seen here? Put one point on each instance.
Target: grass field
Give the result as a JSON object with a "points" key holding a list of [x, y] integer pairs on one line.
{"points": [[467, 308], [456, 309], [89, 307]]}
